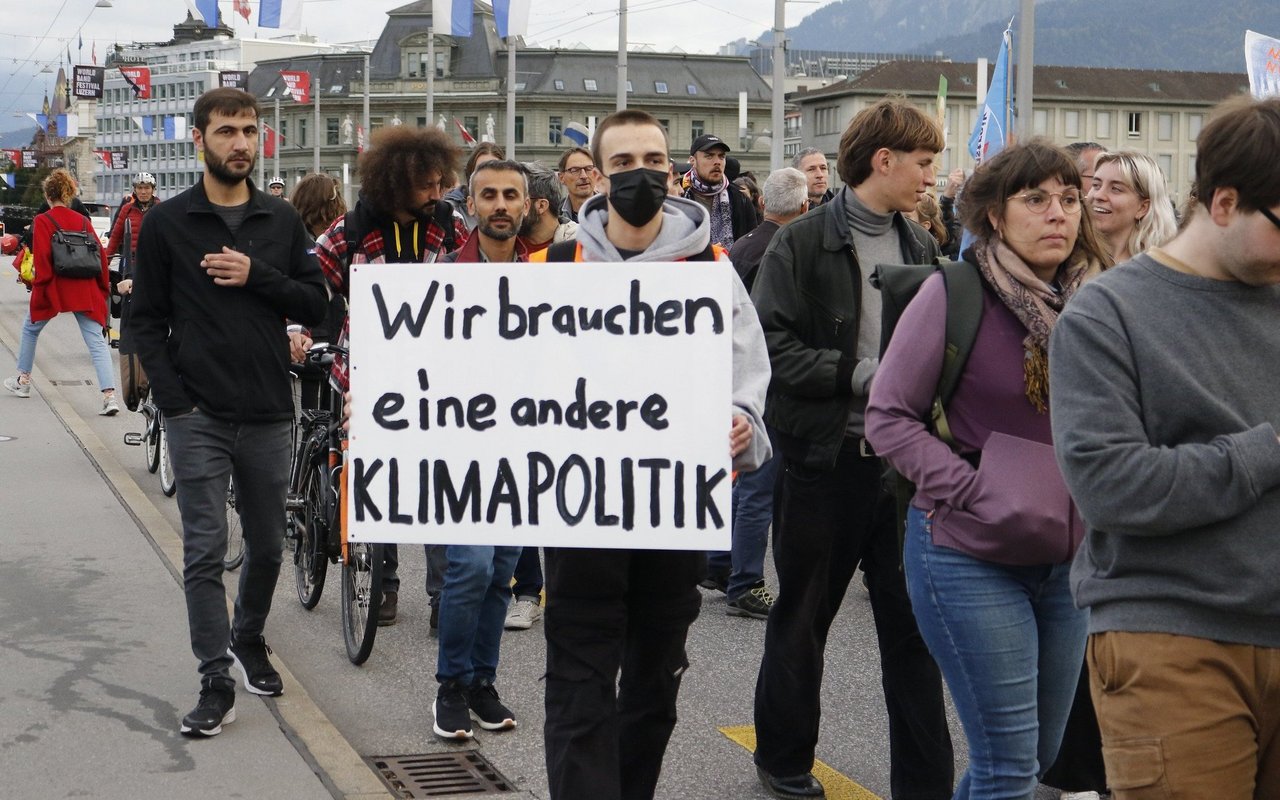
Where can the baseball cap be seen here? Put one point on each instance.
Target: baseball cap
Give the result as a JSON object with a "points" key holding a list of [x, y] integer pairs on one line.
{"points": [[705, 142]]}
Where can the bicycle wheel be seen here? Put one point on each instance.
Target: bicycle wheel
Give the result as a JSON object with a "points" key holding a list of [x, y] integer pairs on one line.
{"points": [[361, 598], [309, 562], [151, 438], [235, 533], [168, 483]]}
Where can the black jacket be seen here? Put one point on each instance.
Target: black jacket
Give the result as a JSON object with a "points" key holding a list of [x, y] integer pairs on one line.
{"points": [[809, 298], [219, 348]]}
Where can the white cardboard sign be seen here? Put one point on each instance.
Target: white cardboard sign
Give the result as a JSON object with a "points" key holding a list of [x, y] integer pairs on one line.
{"points": [[567, 405]]}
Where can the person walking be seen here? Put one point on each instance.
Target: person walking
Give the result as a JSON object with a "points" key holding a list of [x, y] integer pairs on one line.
{"points": [[53, 294]]}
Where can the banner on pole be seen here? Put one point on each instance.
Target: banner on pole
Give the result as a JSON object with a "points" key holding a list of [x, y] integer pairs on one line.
{"points": [[552, 404], [87, 81], [1262, 61], [139, 79], [297, 85], [233, 79]]}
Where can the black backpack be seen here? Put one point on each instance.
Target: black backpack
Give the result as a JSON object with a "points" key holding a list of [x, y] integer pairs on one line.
{"points": [[898, 284]]}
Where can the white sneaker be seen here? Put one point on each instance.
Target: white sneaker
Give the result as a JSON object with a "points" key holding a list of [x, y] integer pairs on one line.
{"points": [[109, 406], [17, 387], [1080, 796], [524, 612]]}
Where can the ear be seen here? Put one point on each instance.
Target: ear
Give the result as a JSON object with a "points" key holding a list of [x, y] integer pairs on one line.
{"points": [[994, 219], [882, 160], [1226, 201], [1144, 209], [471, 204], [197, 136]]}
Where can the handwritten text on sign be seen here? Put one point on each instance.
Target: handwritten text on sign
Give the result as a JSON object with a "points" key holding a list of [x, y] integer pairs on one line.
{"points": [[571, 405]]}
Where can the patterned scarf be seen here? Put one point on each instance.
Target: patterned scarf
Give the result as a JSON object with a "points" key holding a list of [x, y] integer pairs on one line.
{"points": [[721, 208], [1034, 303]]}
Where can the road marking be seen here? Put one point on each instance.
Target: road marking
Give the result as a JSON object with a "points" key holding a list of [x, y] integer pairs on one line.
{"points": [[838, 786]]}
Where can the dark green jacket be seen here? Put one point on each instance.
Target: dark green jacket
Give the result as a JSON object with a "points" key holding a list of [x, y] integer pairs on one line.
{"points": [[809, 298]]}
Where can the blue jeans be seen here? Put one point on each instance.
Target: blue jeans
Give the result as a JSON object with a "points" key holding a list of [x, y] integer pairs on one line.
{"points": [[528, 574], [206, 452], [752, 515], [1009, 641], [90, 330], [473, 608]]}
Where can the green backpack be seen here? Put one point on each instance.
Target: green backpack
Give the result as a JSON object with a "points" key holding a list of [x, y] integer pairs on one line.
{"points": [[898, 284]]}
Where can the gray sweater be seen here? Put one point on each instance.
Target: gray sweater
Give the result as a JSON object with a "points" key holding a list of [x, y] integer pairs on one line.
{"points": [[1165, 404]]}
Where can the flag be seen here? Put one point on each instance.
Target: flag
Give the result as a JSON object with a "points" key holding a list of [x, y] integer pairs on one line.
{"points": [[271, 141], [995, 118], [145, 124], [79, 46], [451, 16], [941, 108], [577, 133], [94, 53], [512, 17], [241, 7], [467, 138], [360, 139], [175, 128], [139, 79], [1262, 62], [68, 125], [9, 179], [104, 156], [278, 14], [208, 10], [297, 84]]}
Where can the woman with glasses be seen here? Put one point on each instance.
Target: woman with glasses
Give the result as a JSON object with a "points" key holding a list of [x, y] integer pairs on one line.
{"points": [[991, 529], [1129, 204]]}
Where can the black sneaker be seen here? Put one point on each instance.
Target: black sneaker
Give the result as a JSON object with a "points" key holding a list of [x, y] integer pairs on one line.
{"points": [[755, 603], [715, 581], [215, 709], [449, 712], [488, 710], [250, 657], [433, 624], [387, 611]]}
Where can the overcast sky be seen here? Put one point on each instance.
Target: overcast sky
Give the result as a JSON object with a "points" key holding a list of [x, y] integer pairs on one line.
{"points": [[32, 37]]}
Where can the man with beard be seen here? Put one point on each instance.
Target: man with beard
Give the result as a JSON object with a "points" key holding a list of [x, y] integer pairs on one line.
{"points": [[477, 582], [813, 163], [731, 214], [578, 174], [627, 613], [219, 269], [402, 178], [543, 226]]}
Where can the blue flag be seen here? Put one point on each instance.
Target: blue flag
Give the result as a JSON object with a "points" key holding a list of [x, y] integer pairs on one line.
{"points": [[209, 10], [451, 17], [995, 119]]}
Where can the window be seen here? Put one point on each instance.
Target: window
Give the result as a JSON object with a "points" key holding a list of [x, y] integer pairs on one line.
{"points": [[1071, 123], [1102, 124], [556, 129], [520, 86], [666, 125], [630, 88], [589, 84], [691, 88], [1135, 124], [1194, 123], [331, 130], [472, 124], [1164, 128], [284, 130], [1166, 164], [697, 127], [826, 120], [519, 130], [1040, 121], [559, 84], [422, 122], [660, 87], [302, 131]]}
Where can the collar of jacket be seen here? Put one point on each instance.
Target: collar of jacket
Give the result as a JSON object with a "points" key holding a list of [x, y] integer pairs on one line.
{"points": [[836, 235], [469, 253], [200, 202]]}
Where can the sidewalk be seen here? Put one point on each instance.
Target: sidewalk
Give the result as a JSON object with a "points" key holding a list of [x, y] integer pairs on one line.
{"points": [[93, 640]]}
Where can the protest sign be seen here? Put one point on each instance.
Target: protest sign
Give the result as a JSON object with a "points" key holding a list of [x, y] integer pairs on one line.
{"points": [[570, 405], [1262, 62]]}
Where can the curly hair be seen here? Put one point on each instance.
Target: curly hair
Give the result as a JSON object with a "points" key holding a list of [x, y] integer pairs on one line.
{"points": [[318, 200], [60, 187], [399, 159]]}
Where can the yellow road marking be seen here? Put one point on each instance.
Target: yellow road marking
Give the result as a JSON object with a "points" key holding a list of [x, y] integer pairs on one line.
{"points": [[838, 786]]}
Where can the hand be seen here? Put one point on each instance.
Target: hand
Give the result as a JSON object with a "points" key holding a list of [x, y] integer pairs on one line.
{"points": [[125, 287], [299, 344], [955, 179], [228, 268], [346, 412], [740, 434]]}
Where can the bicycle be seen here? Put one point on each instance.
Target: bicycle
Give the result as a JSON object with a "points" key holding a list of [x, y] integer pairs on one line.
{"points": [[155, 446], [235, 533], [317, 514]]}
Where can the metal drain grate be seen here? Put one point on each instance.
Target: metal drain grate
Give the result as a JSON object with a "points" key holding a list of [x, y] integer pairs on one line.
{"points": [[71, 383], [440, 774]]}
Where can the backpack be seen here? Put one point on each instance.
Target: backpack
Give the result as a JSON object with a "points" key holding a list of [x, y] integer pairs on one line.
{"points": [[75, 254], [898, 284]]}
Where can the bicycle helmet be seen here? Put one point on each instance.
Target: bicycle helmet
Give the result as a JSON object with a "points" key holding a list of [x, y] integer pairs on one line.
{"points": [[144, 178], [276, 181]]}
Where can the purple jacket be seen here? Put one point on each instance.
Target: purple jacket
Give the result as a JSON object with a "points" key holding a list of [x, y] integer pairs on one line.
{"points": [[1013, 507]]}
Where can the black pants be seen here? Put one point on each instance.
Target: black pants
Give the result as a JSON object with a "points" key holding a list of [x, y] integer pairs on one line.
{"points": [[825, 522], [610, 611]]}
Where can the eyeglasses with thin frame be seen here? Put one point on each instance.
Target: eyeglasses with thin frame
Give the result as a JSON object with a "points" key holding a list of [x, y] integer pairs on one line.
{"points": [[576, 171], [1266, 212], [1037, 202]]}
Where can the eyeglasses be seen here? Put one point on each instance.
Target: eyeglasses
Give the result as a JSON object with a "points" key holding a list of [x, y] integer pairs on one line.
{"points": [[1266, 212], [576, 171], [1037, 202]]}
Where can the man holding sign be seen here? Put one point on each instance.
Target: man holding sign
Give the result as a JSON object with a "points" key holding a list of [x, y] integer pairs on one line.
{"points": [[630, 610]]}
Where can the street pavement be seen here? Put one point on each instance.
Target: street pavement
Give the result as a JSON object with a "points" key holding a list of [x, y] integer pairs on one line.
{"points": [[98, 668]]}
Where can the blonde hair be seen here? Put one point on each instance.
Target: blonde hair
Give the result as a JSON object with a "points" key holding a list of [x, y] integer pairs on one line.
{"points": [[60, 187], [927, 211], [1143, 175]]}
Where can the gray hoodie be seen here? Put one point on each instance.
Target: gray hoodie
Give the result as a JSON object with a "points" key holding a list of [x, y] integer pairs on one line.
{"points": [[686, 232]]}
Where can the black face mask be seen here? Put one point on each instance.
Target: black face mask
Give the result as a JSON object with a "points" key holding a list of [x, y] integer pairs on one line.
{"points": [[637, 194]]}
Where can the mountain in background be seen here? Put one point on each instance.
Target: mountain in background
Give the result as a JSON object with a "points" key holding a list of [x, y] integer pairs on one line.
{"points": [[1136, 34], [19, 137]]}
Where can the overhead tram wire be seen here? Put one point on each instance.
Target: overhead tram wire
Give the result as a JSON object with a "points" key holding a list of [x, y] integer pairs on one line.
{"points": [[30, 56]]}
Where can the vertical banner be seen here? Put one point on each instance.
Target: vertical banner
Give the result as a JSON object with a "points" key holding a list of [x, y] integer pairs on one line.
{"points": [[598, 418], [995, 116], [233, 79], [297, 85], [1262, 61], [29, 158], [285, 14], [139, 79], [119, 159], [452, 17], [87, 82], [512, 17]]}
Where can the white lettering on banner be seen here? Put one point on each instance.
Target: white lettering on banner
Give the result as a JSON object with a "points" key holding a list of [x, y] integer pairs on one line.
{"points": [[569, 405]]}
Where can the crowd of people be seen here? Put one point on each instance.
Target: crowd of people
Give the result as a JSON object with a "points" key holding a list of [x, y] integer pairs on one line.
{"points": [[1078, 532]]}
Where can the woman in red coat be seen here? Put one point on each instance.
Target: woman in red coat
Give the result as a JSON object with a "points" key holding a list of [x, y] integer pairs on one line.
{"points": [[52, 295]]}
